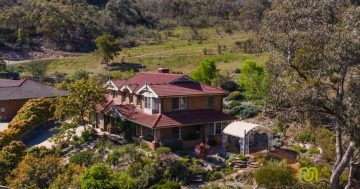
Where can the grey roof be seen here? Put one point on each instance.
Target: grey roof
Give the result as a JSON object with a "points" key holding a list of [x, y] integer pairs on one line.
{"points": [[26, 89]]}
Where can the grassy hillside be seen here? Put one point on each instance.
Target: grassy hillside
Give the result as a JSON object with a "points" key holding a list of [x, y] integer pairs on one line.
{"points": [[176, 49]]}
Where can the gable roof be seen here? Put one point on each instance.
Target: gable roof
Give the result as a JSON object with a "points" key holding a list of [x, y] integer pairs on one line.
{"points": [[167, 84], [26, 89]]}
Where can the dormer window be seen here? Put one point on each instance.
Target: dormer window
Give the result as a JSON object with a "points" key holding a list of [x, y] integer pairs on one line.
{"points": [[114, 94], [148, 102], [138, 100], [179, 103]]}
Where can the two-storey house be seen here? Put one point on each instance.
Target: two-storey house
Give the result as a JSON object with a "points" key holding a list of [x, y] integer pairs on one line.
{"points": [[166, 106]]}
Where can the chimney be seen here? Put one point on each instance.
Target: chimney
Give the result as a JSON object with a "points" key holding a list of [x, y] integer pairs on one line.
{"points": [[163, 70]]}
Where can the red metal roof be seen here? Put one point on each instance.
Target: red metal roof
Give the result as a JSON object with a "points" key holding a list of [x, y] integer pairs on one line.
{"points": [[175, 118], [185, 89], [163, 85], [149, 78]]}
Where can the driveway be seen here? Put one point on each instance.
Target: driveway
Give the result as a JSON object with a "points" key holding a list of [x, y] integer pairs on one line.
{"points": [[3, 126]]}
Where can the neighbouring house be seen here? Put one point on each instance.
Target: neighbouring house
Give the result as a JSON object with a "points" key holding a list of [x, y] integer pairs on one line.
{"points": [[14, 94], [165, 107]]}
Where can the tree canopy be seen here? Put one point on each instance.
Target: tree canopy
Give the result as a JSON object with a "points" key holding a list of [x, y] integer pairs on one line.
{"points": [[107, 47], [253, 78], [205, 72], [314, 70]]}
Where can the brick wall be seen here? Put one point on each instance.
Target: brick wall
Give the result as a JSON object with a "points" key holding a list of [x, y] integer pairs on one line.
{"points": [[11, 108], [195, 103]]}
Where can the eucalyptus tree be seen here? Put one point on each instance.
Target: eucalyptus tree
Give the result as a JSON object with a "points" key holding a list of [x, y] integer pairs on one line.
{"points": [[315, 68]]}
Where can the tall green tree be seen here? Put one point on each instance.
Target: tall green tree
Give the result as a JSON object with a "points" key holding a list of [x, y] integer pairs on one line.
{"points": [[254, 79], [205, 72], [108, 47], [83, 96], [314, 68]]}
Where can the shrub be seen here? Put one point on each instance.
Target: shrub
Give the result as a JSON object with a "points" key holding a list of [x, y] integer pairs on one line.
{"points": [[33, 114], [81, 158], [163, 150], [305, 161], [313, 150], [113, 157], [245, 111], [201, 150], [173, 144], [230, 86], [305, 137], [236, 95], [298, 149], [166, 184], [274, 175], [215, 175], [234, 104]]}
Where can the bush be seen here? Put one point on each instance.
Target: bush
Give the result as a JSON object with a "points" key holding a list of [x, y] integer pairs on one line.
{"points": [[245, 111], [215, 175], [166, 184], [201, 150], [313, 150], [81, 158], [34, 113], [306, 161], [275, 175], [173, 144], [236, 95], [230, 86], [305, 137], [234, 104], [163, 150], [113, 158], [298, 149]]}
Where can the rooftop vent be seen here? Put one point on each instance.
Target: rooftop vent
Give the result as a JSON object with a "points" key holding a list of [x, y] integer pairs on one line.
{"points": [[163, 70]]}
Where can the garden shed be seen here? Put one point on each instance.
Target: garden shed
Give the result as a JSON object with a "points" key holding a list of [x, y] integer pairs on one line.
{"points": [[243, 133]]}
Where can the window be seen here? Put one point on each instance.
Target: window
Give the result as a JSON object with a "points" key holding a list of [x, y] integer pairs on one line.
{"points": [[148, 102], [123, 98], [113, 94], [138, 100], [131, 99], [175, 132], [217, 128], [179, 103], [211, 101], [2, 110]]}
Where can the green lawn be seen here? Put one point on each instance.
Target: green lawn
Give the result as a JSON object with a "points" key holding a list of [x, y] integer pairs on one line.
{"points": [[177, 52]]}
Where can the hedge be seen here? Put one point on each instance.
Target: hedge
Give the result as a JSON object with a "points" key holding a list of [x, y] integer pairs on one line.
{"points": [[34, 113]]}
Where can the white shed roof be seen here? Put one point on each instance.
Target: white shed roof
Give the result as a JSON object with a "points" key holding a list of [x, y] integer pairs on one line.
{"points": [[238, 128]]}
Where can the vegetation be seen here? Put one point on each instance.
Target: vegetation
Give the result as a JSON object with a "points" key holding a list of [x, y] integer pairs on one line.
{"points": [[205, 72], [34, 113], [316, 73], [245, 111], [45, 170], [254, 80], [10, 156], [107, 47], [164, 184], [275, 175], [83, 97]]}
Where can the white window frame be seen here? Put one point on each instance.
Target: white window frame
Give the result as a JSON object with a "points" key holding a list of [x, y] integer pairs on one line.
{"points": [[148, 102], [180, 105], [2, 109], [223, 125]]}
